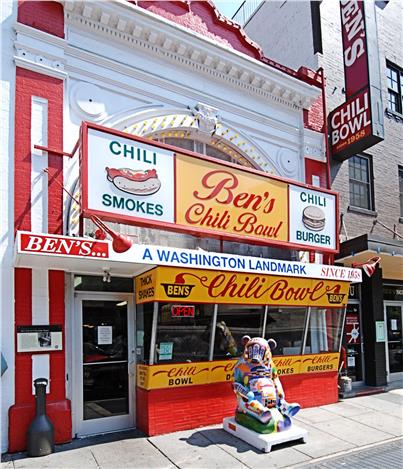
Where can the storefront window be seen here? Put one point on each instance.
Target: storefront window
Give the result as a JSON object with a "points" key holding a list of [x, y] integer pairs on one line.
{"points": [[233, 322], [324, 330], [286, 326], [183, 333], [144, 320]]}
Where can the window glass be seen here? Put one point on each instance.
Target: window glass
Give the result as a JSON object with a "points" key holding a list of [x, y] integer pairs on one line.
{"points": [[144, 320], [286, 326], [324, 330], [183, 338], [218, 148], [394, 76], [360, 181], [233, 322]]}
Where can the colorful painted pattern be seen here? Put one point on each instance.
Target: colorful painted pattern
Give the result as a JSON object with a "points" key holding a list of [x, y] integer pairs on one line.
{"points": [[261, 402]]}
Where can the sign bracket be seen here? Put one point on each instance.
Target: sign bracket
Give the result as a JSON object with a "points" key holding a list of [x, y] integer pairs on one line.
{"points": [[59, 152]]}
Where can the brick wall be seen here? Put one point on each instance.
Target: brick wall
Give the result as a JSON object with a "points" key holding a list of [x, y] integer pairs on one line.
{"points": [[287, 41], [313, 118], [29, 84], [387, 155], [284, 27], [173, 409], [43, 15]]}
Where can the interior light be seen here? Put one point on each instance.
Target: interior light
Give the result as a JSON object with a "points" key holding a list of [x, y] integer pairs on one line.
{"points": [[122, 303]]}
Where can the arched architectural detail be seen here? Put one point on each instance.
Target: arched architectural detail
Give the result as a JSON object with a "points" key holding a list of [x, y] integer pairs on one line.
{"points": [[183, 123]]}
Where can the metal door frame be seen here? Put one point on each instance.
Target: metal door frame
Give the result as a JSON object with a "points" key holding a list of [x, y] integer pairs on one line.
{"points": [[112, 424], [391, 376]]}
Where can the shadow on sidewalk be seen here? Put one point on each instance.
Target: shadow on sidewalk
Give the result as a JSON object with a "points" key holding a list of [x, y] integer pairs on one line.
{"points": [[82, 443], [217, 436]]}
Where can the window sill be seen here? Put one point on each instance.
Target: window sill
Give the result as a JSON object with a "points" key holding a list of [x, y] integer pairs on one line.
{"points": [[362, 211], [397, 116]]}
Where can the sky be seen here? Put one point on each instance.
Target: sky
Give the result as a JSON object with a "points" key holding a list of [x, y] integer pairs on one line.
{"points": [[227, 7]]}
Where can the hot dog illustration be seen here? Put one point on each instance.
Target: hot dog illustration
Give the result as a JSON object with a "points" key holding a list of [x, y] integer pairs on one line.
{"points": [[132, 181]]}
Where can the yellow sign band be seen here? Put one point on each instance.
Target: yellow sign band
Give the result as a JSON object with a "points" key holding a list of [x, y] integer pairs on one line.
{"points": [[171, 284], [189, 374]]}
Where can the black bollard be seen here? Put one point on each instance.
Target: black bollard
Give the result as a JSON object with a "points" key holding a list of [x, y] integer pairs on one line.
{"points": [[40, 432]]}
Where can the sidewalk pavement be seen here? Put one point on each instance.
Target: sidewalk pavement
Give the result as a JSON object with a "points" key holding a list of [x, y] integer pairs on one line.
{"points": [[342, 428]]}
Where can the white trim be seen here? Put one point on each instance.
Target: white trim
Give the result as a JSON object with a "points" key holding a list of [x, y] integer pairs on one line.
{"points": [[8, 15], [39, 160], [43, 69], [313, 145], [39, 51], [40, 297], [69, 335], [41, 369]]}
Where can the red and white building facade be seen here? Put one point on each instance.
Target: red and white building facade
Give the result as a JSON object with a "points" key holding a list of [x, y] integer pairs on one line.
{"points": [[183, 75]]}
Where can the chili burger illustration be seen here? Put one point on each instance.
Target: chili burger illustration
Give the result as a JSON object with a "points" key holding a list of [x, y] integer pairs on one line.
{"points": [[132, 181], [313, 218]]}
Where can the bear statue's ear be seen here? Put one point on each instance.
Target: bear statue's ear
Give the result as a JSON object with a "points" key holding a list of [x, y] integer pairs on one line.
{"points": [[272, 344], [245, 340]]}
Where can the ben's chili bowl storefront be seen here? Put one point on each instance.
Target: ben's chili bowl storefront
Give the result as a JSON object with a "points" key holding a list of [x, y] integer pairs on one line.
{"points": [[152, 332]]}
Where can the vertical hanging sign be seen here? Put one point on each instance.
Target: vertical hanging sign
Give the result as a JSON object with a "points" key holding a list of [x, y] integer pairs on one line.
{"points": [[357, 124]]}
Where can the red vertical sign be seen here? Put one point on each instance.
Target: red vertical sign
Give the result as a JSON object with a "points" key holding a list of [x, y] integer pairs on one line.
{"points": [[357, 124], [353, 31]]}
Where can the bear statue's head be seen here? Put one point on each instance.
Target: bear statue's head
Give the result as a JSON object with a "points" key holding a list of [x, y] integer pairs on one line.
{"points": [[258, 350]]}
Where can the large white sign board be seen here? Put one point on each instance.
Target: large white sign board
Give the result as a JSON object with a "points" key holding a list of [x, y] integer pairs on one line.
{"points": [[312, 217], [129, 178]]}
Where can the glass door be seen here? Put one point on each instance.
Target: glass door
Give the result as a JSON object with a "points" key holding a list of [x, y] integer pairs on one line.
{"points": [[394, 344], [352, 345], [104, 363]]}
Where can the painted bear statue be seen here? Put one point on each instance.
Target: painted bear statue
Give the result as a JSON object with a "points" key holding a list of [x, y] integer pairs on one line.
{"points": [[261, 402]]}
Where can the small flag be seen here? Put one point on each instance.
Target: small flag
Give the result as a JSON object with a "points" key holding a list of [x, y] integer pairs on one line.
{"points": [[369, 266]]}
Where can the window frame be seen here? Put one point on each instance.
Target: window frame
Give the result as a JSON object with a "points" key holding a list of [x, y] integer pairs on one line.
{"points": [[369, 183], [399, 94], [151, 357], [400, 180]]}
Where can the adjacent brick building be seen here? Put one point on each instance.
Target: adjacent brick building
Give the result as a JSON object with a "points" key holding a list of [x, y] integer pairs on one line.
{"points": [[370, 184]]}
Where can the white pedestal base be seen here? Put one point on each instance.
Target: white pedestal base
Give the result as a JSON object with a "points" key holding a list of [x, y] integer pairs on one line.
{"points": [[262, 441]]}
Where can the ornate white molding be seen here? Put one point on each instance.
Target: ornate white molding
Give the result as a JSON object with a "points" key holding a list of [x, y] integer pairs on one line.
{"points": [[207, 118], [138, 28], [39, 62], [39, 52]]}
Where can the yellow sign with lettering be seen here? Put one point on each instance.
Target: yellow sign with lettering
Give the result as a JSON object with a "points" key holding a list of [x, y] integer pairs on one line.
{"points": [[188, 374], [145, 286], [208, 286], [231, 200]]}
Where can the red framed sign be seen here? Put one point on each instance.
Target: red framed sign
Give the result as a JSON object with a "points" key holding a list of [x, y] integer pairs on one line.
{"points": [[132, 180], [357, 124]]}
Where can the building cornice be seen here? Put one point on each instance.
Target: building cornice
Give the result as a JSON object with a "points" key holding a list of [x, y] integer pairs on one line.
{"points": [[126, 23], [39, 52]]}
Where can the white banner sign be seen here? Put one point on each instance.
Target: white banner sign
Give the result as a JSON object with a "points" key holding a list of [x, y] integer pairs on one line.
{"points": [[96, 250]]}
